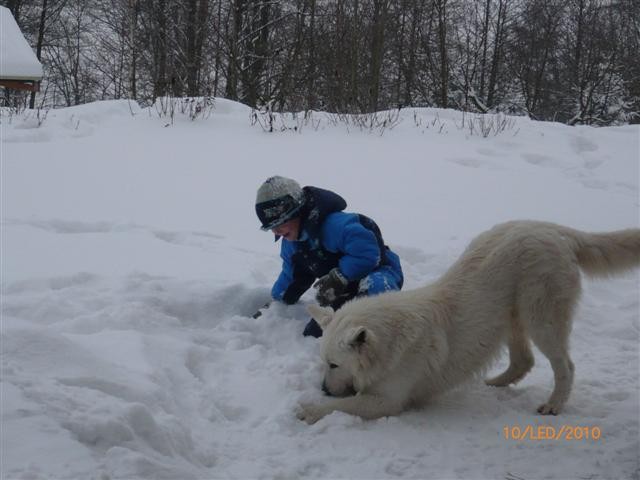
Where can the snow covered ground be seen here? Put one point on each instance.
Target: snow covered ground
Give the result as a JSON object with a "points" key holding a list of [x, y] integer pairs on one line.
{"points": [[132, 261]]}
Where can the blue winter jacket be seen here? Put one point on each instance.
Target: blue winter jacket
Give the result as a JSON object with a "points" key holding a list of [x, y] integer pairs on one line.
{"points": [[329, 238]]}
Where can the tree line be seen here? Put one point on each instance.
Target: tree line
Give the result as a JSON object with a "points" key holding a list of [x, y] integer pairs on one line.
{"points": [[573, 61]]}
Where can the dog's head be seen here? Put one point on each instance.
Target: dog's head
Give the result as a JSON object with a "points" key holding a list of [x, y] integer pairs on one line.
{"points": [[346, 349]]}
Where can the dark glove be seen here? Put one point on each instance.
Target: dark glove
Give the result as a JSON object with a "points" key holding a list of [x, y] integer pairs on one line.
{"points": [[258, 314], [312, 329], [331, 287]]}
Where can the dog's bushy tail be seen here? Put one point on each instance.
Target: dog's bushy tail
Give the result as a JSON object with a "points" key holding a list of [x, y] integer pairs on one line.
{"points": [[604, 254]]}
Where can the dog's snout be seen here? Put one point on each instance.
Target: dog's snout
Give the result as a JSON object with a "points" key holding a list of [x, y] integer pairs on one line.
{"points": [[347, 391], [325, 389]]}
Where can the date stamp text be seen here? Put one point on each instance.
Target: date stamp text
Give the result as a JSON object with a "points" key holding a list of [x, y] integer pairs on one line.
{"points": [[550, 432]]}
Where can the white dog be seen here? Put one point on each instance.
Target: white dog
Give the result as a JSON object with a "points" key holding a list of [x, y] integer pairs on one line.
{"points": [[518, 281]]}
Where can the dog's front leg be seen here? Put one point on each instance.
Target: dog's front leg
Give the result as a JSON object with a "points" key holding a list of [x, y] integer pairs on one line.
{"points": [[367, 406]]}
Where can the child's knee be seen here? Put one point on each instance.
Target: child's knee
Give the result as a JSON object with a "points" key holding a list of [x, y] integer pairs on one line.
{"points": [[376, 283]]}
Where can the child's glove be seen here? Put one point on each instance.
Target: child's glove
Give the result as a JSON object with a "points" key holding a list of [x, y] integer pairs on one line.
{"points": [[258, 314], [330, 287]]}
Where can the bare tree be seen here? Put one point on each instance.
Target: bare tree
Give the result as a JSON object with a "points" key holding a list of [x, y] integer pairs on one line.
{"points": [[70, 68], [532, 59], [573, 61], [590, 55]]}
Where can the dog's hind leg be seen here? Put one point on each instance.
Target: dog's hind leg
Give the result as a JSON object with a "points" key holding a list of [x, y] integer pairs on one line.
{"points": [[563, 370], [520, 355], [551, 335]]}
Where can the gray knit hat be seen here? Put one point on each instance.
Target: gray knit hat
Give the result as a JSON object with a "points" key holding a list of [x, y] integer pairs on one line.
{"points": [[279, 199]]}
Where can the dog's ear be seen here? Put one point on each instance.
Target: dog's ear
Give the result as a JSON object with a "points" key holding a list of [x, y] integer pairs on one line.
{"points": [[322, 315], [357, 337]]}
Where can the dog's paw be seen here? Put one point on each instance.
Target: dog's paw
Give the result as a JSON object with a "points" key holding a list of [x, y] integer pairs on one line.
{"points": [[311, 413], [547, 409]]}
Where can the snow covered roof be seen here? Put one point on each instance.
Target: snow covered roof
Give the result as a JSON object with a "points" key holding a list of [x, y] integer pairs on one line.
{"points": [[17, 60]]}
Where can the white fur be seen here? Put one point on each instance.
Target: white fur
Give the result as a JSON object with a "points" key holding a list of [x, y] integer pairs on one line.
{"points": [[519, 281]]}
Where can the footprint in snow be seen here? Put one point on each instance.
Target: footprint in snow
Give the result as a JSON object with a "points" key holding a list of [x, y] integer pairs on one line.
{"points": [[488, 152], [616, 396], [583, 145], [467, 162], [541, 160], [593, 163], [471, 162], [595, 184]]}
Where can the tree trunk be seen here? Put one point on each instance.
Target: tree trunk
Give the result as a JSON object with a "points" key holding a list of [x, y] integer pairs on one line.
{"points": [[312, 67], [485, 44], [413, 49], [497, 52], [377, 52], [441, 6], [216, 69], [41, 29], [401, 51], [160, 84], [234, 61], [354, 61], [133, 27], [190, 54]]}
